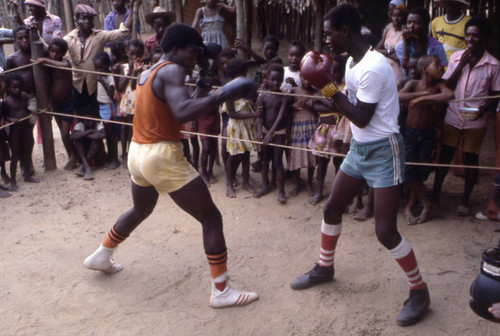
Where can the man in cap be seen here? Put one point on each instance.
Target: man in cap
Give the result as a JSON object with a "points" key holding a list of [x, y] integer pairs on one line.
{"points": [[449, 29], [159, 19], [48, 25], [84, 43]]}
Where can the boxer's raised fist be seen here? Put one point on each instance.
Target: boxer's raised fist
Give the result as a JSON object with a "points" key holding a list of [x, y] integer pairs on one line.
{"points": [[317, 69]]}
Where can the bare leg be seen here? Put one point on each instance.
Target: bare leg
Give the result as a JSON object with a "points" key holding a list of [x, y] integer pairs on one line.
{"points": [[266, 152], [296, 182], [196, 151], [367, 210], [386, 213], [344, 189], [245, 172], [112, 145], [412, 185], [320, 180], [231, 161]]}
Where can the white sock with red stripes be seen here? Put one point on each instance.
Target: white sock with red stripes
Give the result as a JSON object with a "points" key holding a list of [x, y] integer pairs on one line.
{"points": [[403, 253], [329, 236]]}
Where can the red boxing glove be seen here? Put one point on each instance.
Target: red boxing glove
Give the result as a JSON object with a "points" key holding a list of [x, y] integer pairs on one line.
{"points": [[318, 70]]}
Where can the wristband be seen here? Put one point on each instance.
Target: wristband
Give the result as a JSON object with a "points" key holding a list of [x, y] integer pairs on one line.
{"points": [[329, 90]]}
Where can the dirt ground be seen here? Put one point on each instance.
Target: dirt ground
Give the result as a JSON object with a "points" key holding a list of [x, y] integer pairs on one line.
{"points": [[47, 229]]}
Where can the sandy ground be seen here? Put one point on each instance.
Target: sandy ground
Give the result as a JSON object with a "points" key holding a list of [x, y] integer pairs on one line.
{"points": [[47, 229]]}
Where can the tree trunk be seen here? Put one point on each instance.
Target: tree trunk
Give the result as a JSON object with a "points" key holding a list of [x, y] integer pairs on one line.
{"points": [[68, 16], [43, 102], [179, 17], [318, 25], [135, 18], [240, 24]]}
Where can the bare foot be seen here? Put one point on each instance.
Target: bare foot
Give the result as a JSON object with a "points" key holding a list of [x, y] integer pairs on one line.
{"points": [[364, 214], [71, 164], [113, 164], [236, 183], [412, 220], [206, 180], [212, 179], [316, 199], [4, 194], [281, 198], [31, 179], [423, 215], [261, 192], [88, 175], [295, 191], [310, 190], [5, 178], [353, 208], [14, 187], [248, 187], [230, 192], [80, 171]]}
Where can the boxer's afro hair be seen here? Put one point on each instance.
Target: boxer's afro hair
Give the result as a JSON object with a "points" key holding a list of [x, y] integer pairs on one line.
{"points": [[344, 15], [180, 35]]}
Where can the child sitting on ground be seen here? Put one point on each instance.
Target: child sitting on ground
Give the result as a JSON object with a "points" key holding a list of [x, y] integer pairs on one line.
{"points": [[271, 127], [87, 136], [107, 106], [4, 157], [422, 96], [241, 125], [135, 52], [15, 108], [61, 83]]}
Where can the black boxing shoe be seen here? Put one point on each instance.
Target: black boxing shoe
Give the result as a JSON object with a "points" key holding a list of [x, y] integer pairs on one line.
{"points": [[414, 308], [314, 277]]}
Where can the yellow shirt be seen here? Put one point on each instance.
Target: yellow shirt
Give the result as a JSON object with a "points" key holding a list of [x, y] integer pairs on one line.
{"points": [[95, 43], [450, 34]]}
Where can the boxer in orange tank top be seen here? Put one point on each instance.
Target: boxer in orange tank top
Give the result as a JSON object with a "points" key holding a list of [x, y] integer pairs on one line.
{"points": [[157, 165]]}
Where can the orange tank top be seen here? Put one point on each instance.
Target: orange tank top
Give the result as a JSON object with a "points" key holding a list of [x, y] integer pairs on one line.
{"points": [[153, 118]]}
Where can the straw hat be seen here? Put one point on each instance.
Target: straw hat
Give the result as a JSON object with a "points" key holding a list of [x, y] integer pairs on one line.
{"points": [[463, 2], [85, 9], [159, 12]]}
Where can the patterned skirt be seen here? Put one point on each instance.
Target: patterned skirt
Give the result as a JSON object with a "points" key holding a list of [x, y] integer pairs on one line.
{"points": [[240, 129], [303, 126]]}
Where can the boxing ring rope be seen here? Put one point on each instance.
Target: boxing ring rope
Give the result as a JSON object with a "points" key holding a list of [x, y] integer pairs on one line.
{"points": [[227, 138]]}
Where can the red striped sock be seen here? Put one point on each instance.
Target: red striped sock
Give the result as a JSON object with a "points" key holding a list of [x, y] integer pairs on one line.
{"points": [[113, 239], [403, 253], [329, 237], [218, 269]]}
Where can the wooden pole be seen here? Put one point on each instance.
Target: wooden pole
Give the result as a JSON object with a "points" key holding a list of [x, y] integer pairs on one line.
{"points": [[179, 16], [248, 18], [68, 16], [135, 18], [318, 25], [240, 24], [43, 102]]}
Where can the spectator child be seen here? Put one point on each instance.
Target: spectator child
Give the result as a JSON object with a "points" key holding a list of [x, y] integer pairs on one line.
{"points": [[325, 138], [14, 108], [61, 94], [107, 106], [241, 126], [4, 156], [422, 96], [211, 22], [270, 47], [271, 127], [135, 52], [292, 72]]}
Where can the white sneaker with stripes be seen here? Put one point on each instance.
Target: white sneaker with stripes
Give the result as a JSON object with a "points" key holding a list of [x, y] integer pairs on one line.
{"points": [[230, 297], [101, 260]]}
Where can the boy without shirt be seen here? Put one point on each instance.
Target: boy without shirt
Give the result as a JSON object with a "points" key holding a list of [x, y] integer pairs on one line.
{"points": [[14, 108], [422, 95], [18, 59], [271, 127], [61, 82]]}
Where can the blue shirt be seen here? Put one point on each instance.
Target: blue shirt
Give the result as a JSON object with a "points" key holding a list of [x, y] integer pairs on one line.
{"points": [[109, 21], [4, 33], [434, 47]]}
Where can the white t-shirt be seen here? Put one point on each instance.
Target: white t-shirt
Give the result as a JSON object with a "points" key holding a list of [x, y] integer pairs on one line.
{"points": [[285, 87], [371, 81], [102, 96]]}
